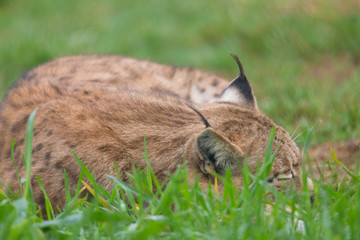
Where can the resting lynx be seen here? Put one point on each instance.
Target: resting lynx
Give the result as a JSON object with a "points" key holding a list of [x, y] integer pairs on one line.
{"points": [[88, 104]]}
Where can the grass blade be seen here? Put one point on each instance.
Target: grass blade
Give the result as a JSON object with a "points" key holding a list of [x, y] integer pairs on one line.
{"points": [[49, 210], [9, 191], [67, 190], [336, 160], [101, 200], [148, 170], [13, 160], [28, 157]]}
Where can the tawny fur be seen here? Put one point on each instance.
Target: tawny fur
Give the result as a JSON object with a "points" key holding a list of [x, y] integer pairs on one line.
{"points": [[87, 104], [108, 70]]}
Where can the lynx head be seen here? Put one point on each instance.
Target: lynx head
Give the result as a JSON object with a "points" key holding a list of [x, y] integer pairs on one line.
{"points": [[236, 129]]}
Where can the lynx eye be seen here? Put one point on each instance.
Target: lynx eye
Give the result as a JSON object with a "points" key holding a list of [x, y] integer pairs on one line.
{"points": [[285, 176]]}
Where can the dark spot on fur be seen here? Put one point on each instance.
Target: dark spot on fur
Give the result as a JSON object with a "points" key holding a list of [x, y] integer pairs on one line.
{"points": [[44, 121], [21, 141], [215, 82], [178, 122], [73, 175], [86, 92], [63, 78], [41, 170], [108, 117], [8, 154], [29, 76], [95, 80], [49, 133], [106, 148], [27, 104], [48, 156], [71, 145], [19, 125], [154, 138], [96, 98], [58, 165], [38, 147], [164, 92], [81, 117], [57, 89]]}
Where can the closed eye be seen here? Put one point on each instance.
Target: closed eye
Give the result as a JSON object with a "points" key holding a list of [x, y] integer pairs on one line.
{"points": [[285, 176], [280, 177]]}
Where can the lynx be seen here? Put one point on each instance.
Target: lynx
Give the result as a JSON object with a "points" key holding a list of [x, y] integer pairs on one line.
{"points": [[101, 107]]}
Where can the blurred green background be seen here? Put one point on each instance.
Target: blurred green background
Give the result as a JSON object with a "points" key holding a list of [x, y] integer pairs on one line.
{"points": [[302, 57]]}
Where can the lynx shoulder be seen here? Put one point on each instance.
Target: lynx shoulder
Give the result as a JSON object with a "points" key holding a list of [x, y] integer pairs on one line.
{"points": [[101, 109]]}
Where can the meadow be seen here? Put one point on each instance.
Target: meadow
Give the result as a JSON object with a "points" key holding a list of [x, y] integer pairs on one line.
{"points": [[302, 59]]}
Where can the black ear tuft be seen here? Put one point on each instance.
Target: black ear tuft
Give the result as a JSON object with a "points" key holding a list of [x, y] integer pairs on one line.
{"points": [[239, 91], [241, 69], [204, 120]]}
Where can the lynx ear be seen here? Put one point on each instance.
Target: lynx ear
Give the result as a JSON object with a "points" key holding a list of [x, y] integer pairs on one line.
{"points": [[239, 90], [214, 149]]}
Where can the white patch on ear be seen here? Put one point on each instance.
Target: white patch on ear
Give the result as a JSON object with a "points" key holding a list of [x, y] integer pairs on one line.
{"points": [[232, 95]]}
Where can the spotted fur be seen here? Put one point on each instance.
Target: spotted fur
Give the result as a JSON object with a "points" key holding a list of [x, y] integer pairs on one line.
{"points": [[101, 107]]}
